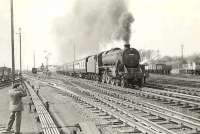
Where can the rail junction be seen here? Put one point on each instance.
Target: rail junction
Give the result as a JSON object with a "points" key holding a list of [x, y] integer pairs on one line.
{"points": [[109, 85], [125, 110]]}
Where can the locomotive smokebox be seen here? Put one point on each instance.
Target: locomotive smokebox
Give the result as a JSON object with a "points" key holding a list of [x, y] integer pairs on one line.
{"points": [[127, 46]]}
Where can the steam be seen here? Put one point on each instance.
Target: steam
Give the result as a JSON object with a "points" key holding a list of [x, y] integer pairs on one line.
{"points": [[90, 23], [104, 46], [121, 35], [124, 30]]}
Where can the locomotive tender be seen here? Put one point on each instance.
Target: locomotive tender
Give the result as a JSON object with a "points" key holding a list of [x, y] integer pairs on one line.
{"points": [[116, 66]]}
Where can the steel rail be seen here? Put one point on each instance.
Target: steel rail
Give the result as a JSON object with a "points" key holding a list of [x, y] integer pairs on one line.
{"points": [[47, 123], [125, 119], [173, 88], [143, 92], [169, 93], [96, 95], [186, 122], [130, 98], [142, 119]]}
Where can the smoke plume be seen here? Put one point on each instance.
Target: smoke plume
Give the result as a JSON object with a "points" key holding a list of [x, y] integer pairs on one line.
{"points": [[124, 30], [90, 23]]}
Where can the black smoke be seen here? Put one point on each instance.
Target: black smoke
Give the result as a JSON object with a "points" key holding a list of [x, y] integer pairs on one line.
{"points": [[89, 23], [124, 30]]}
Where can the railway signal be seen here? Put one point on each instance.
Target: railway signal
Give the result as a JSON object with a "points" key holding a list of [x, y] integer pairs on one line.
{"points": [[182, 46], [34, 69], [48, 54], [20, 36]]}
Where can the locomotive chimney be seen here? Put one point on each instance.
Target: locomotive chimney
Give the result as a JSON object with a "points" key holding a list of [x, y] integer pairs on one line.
{"points": [[126, 46]]}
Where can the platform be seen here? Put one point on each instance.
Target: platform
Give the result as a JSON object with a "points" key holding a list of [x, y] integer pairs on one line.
{"points": [[28, 124]]}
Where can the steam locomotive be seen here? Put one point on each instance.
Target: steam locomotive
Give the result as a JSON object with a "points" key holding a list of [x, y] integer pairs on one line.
{"points": [[116, 66]]}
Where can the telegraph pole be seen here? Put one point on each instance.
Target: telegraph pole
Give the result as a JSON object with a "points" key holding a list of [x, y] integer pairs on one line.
{"points": [[182, 46], [158, 54], [12, 42], [74, 52], [34, 59], [20, 52], [47, 58]]}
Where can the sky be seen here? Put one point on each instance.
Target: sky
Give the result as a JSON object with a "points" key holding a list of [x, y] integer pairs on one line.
{"points": [[159, 25]]}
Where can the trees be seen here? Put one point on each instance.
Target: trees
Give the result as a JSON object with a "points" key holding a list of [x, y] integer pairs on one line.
{"points": [[148, 55]]}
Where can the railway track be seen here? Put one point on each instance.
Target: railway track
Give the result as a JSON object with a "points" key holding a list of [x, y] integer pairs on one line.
{"points": [[120, 122], [124, 104], [110, 116], [174, 88], [175, 99], [124, 93], [7, 83], [46, 121], [167, 97], [172, 99], [4, 84], [178, 77], [177, 82], [127, 96]]}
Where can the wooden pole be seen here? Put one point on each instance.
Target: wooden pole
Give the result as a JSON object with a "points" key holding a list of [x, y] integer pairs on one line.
{"points": [[12, 42]]}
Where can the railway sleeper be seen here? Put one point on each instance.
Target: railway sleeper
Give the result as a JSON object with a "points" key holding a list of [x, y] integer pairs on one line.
{"points": [[123, 125], [180, 128], [107, 117], [103, 114], [195, 108], [123, 112], [193, 132], [156, 119], [186, 105], [178, 102], [129, 130]]}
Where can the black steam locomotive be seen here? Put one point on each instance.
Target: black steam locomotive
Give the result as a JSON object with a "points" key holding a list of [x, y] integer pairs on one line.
{"points": [[116, 66]]}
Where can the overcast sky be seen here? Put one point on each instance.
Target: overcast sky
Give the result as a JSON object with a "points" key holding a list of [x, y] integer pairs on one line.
{"points": [[159, 24]]}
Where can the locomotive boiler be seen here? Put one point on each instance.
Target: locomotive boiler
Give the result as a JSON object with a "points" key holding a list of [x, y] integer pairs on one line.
{"points": [[121, 66]]}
